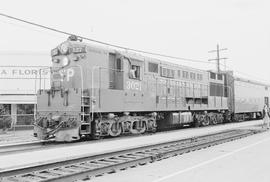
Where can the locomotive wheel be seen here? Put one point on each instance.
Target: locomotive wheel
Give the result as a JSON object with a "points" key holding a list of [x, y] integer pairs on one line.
{"points": [[151, 125], [214, 120], [205, 121], [138, 130], [115, 129], [126, 126], [143, 129], [220, 118]]}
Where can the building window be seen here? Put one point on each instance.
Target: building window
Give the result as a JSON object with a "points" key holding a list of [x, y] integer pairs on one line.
{"points": [[153, 67], [5, 116], [25, 114]]}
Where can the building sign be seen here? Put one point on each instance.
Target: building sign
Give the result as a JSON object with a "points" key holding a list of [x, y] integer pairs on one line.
{"points": [[20, 72], [23, 79]]}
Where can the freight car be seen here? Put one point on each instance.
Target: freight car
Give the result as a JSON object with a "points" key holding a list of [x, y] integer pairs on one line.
{"points": [[97, 92]]}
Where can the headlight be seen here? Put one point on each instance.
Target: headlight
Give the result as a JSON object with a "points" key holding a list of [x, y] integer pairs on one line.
{"points": [[65, 61], [64, 48]]}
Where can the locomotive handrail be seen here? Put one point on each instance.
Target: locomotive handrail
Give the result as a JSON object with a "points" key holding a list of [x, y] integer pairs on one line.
{"points": [[40, 76], [92, 92]]}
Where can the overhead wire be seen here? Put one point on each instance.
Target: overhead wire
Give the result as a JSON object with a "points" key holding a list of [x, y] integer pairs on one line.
{"points": [[101, 42], [105, 43]]}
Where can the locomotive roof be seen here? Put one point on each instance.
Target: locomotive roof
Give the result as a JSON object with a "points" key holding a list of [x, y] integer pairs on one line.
{"points": [[157, 60], [251, 81], [134, 55]]}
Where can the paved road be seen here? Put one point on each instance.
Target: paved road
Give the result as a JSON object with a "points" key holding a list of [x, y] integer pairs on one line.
{"points": [[245, 160]]}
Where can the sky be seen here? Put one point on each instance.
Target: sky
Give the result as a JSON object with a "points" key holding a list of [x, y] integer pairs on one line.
{"points": [[182, 28]]}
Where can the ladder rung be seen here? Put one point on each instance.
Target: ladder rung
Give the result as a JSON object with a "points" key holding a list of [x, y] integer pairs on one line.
{"points": [[86, 124]]}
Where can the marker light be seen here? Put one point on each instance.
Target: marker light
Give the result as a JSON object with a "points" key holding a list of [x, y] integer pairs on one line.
{"points": [[64, 48], [65, 61]]}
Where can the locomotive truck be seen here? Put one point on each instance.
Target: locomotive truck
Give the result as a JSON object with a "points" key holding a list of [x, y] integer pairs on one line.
{"points": [[97, 91]]}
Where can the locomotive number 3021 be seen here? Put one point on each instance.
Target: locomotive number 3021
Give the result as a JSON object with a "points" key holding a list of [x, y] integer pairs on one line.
{"points": [[131, 85]]}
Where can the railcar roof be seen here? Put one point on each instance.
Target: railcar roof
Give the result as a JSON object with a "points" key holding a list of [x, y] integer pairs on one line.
{"points": [[251, 81]]}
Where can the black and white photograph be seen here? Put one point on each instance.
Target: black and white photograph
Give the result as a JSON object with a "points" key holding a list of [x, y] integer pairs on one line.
{"points": [[134, 91]]}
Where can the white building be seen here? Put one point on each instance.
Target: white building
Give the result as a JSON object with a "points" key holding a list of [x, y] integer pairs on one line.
{"points": [[21, 75]]}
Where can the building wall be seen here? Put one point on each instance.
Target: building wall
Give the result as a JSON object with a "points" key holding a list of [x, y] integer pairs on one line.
{"points": [[22, 73]]}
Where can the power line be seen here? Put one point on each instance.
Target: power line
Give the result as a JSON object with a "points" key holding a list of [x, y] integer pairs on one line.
{"points": [[120, 47], [100, 42], [218, 56]]}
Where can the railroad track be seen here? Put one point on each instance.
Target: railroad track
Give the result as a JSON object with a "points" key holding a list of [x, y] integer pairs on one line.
{"points": [[85, 167], [6, 149], [39, 145]]}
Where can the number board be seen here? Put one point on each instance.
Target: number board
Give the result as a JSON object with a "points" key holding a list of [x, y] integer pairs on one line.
{"points": [[133, 85]]}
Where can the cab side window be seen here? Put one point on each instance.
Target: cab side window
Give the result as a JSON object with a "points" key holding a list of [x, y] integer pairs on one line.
{"points": [[134, 72]]}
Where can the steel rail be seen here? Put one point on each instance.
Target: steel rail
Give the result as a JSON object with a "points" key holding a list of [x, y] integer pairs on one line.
{"points": [[42, 144], [85, 167]]}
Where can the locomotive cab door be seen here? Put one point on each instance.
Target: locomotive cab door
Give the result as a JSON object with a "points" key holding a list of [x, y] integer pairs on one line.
{"points": [[116, 78]]}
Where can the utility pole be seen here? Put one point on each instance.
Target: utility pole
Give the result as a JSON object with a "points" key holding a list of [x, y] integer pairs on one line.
{"points": [[218, 57]]}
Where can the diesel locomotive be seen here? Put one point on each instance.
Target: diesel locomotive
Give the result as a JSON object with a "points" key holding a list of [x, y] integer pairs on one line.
{"points": [[97, 92]]}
